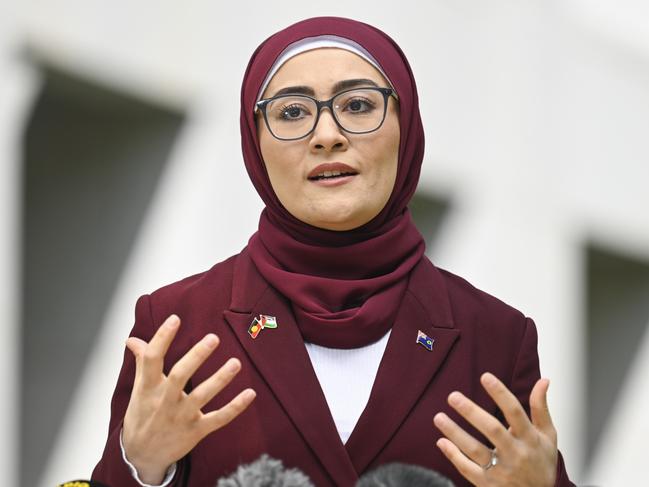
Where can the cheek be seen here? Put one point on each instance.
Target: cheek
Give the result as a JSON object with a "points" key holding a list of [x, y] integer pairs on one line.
{"points": [[272, 161], [282, 166], [387, 150], [271, 153], [393, 136]]}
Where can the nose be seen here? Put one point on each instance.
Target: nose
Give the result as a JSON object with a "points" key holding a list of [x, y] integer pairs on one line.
{"points": [[327, 136]]}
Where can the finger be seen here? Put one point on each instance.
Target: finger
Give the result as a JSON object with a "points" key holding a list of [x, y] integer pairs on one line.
{"points": [[472, 448], [469, 470], [508, 403], [481, 420], [182, 371], [136, 346], [206, 390], [539, 409], [153, 356], [219, 418]]}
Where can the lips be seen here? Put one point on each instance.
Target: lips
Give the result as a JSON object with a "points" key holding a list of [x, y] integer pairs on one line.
{"points": [[331, 170]]}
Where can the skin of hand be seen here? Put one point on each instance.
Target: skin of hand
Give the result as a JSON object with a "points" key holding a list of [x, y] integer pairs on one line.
{"points": [[526, 451], [162, 422]]}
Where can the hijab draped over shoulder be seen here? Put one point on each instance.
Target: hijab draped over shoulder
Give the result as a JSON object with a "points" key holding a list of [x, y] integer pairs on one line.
{"points": [[345, 287]]}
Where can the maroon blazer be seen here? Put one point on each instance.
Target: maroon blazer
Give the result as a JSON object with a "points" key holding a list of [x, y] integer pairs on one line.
{"points": [[473, 332]]}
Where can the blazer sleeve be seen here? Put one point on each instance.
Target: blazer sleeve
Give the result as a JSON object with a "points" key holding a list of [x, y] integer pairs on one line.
{"points": [[525, 374], [111, 469]]}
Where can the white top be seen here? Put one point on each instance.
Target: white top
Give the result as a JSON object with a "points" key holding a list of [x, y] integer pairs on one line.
{"points": [[346, 378]]}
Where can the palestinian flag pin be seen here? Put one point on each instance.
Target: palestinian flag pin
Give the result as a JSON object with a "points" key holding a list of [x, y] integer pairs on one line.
{"points": [[258, 324]]}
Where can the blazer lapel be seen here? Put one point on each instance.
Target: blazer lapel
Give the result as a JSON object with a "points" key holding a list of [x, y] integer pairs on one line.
{"points": [[407, 367], [281, 358]]}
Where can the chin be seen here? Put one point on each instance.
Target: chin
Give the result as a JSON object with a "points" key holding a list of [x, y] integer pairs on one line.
{"points": [[339, 221]]}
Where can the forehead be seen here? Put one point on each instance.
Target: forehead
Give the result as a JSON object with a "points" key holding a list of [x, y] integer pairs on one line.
{"points": [[321, 69]]}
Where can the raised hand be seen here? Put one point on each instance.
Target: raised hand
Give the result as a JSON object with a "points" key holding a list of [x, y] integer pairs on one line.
{"points": [[525, 454], [162, 422]]}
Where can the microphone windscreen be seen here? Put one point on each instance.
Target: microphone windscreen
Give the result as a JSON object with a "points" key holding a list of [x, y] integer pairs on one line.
{"points": [[401, 475], [266, 472], [82, 483]]}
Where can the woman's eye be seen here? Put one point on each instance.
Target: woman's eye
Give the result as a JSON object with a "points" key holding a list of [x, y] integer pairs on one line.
{"points": [[292, 112], [358, 105]]}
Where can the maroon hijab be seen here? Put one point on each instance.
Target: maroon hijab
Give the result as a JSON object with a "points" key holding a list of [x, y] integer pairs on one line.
{"points": [[345, 287]]}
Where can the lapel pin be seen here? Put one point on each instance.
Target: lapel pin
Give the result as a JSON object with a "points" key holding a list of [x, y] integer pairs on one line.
{"points": [[425, 340], [258, 324]]}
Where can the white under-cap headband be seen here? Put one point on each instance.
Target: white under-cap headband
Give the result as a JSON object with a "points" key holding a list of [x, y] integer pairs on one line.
{"points": [[310, 43]]}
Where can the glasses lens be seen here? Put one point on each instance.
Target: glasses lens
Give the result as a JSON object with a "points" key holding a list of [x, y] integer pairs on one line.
{"points": [[291, 117], [360, 110]]}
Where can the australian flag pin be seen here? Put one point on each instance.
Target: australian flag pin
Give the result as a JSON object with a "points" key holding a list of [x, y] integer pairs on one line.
{"points": [[258, 324], [425, 340]]}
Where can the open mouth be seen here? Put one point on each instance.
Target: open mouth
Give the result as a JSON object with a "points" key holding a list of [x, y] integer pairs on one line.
{"points": [[331, 175]]}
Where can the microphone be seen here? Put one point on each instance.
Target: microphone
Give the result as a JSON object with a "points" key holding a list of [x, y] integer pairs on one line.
{"points": [[402, 475], [269, 472], [82, 483], [265, 472]]}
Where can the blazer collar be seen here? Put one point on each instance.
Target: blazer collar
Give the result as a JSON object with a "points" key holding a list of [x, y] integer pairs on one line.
{"points": [[280, 356], [428, 287], [406, 369], [247, 284]]}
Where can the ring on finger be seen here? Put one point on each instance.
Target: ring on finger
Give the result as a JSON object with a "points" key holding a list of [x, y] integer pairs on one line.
{"points": [[493, 461]]}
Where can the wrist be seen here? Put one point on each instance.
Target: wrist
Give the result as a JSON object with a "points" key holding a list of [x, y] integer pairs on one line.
{"points": [[151, 475], [146, 473]]}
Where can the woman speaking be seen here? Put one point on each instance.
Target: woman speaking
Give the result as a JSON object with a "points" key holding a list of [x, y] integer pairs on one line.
{"points": [[341, 345]]}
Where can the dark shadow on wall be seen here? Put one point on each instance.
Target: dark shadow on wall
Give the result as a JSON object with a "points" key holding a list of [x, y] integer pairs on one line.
{"points": [[92, 160], [429, 211], [617, 318]]}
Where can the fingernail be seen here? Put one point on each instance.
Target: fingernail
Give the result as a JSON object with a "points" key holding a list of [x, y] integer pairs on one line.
{"points": [[249, 394], [211, 340], [232, 365], [173, 322], [488, 379], [455, 399]]}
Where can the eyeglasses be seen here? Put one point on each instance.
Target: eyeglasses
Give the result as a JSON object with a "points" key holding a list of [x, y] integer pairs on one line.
{"points": [[357, 111]]}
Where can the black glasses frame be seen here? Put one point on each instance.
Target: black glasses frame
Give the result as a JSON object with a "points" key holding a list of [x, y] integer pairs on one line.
{"points": [[320, 104]]}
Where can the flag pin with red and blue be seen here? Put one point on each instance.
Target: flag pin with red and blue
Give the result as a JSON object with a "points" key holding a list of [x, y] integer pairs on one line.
{"points": [[425, 340]]}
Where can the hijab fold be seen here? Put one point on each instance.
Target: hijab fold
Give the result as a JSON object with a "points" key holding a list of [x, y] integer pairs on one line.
{"points": [[344, 287]]}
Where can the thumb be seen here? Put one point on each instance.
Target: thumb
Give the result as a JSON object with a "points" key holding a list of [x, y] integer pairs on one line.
{"points": [[539, 409]]}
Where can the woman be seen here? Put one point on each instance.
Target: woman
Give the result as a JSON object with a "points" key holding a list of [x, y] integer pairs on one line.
{"points": [[342, 340]]}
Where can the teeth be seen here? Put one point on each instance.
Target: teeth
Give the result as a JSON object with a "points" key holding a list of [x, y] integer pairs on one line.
{"points": [[329, 174]]}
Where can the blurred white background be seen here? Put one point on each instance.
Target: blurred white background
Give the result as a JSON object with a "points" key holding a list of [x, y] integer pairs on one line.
{"points": [[537, 119]]}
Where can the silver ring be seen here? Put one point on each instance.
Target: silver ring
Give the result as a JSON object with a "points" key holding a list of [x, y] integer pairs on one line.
{"points": [[493, 461]]}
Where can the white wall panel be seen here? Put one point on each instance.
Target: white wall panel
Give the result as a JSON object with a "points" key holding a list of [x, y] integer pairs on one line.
{"points": [[17, 89]]}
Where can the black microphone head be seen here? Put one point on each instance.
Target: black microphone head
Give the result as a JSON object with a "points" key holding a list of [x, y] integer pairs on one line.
{"points": [[82, 483], [265, 472], [402, 475]]}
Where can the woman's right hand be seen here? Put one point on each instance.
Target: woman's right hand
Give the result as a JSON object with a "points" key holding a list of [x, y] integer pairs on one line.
{"points": [[162, 422]]}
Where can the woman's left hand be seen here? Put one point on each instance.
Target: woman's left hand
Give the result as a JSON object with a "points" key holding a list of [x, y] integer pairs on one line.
{"points": [[525, 454]]}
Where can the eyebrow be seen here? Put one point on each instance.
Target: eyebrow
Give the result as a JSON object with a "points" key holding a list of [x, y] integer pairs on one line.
{"points": [[339, 86]]}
